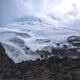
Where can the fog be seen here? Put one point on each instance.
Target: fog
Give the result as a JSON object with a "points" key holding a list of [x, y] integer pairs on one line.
{"points": [[11, 9]]}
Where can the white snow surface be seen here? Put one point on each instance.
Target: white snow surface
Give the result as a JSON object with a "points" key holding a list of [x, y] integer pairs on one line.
{"points": [[35, 35]]}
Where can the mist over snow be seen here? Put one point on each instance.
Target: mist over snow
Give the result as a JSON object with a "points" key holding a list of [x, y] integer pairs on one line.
{"points": [[30, 25], [59, 9]]}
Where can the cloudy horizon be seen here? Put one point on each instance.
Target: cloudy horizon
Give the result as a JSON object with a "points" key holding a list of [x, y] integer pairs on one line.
{"points": [[11, 9]]}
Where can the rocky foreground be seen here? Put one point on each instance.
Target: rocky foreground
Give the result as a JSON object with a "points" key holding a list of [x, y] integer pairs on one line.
{"points": [[53, 68]]}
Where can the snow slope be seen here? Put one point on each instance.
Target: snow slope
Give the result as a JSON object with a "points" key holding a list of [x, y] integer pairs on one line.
{"points": [[26, 35]]}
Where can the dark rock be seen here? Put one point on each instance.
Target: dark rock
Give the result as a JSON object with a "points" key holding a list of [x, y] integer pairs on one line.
{"points": [[42, 40], [4, 59], [74, 40], [24, 35], [19, 42], [53, 68], [59, 52]]}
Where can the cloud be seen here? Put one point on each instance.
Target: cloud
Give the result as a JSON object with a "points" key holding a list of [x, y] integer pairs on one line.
{"points": [[11, 9]]}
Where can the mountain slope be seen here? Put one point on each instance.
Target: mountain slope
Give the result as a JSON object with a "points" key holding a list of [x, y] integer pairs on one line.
{"points": [[50, 69]]}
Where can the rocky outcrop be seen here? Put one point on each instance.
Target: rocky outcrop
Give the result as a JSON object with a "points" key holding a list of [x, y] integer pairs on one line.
{"points": [[74, 40], [53, 68], [4, 59]]}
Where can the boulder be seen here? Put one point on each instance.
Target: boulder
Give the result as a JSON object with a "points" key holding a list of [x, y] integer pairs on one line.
{"points": [[74, 40]]}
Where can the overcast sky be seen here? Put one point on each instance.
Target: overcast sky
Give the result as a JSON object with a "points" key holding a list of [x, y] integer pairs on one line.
{"points": [[11, 9]]}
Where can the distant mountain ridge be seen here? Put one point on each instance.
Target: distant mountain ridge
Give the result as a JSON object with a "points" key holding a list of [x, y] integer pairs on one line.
{"points": [[28, 19]]}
